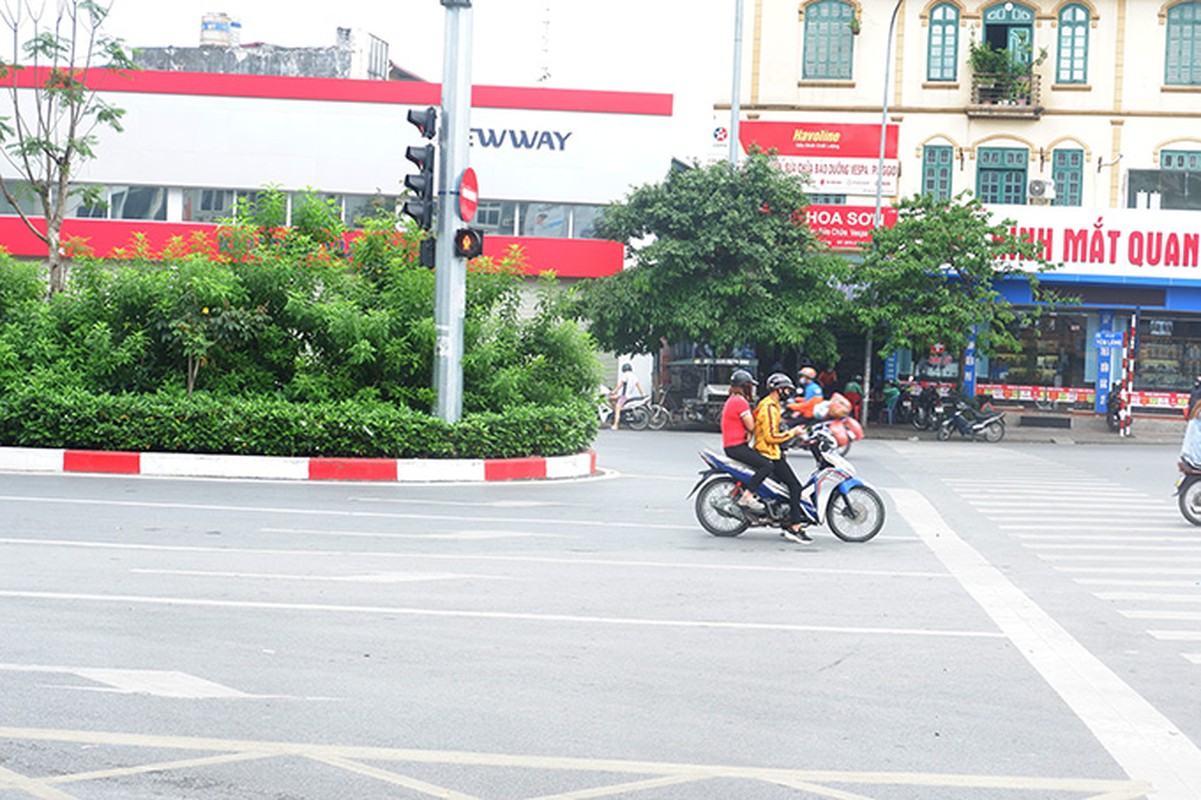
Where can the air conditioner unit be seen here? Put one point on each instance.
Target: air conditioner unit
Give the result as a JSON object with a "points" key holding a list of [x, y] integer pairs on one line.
{"points": [[1040, 189]]}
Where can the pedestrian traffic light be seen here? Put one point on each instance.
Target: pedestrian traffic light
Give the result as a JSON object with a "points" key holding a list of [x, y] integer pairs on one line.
{"points": [[469, 243], [421, 207]]}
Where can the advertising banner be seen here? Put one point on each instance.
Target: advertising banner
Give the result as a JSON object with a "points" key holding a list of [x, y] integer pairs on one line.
{"points": [[846, 227], [838, 158]]}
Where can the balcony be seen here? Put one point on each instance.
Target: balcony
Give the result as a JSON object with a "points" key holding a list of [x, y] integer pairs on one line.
{"points": [[1006, 95]]}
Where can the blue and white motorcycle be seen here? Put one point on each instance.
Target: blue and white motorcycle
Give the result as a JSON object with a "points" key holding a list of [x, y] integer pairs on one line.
{"points": [[832, 495]]}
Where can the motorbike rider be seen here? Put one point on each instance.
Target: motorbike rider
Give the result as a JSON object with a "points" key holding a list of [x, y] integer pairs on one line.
{"points": [[1190, 448], [738, 423], [768, 438], [807, 380], [627, 389]]}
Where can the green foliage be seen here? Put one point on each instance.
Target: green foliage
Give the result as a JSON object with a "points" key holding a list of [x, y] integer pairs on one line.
{"points": [[721, 254], [291, 337], [931, 278]]}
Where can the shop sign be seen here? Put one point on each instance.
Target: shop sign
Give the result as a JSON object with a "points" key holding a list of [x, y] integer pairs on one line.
{"points": [[1116, 242], [846, 227], [1047, 394], [838, 159], [1108, 339]]}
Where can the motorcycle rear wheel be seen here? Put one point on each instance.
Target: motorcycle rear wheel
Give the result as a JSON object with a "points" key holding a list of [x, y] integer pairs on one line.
{"points": [[994, 432], [856, 516], [719, 490], [638, 418], [660, 416], [944, 432], [1190, 499]]}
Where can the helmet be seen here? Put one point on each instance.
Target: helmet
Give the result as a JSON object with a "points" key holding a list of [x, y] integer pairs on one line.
{"points": [[808, 372], [741, 377], [627, 367], [778, 380]]}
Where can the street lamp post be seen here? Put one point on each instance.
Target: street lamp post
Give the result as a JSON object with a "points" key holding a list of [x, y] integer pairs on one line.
{"points": [[877, 219]]}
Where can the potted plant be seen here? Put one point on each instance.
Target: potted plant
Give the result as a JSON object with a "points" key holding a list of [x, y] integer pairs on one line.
{"points": [[855, 26]]}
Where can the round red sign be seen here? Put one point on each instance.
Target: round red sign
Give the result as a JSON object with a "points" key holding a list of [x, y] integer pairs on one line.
{"points": [[469, 195]]}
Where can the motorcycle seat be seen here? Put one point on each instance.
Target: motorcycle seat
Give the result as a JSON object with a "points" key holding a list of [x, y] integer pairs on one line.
{"points": [[1187, 466]]}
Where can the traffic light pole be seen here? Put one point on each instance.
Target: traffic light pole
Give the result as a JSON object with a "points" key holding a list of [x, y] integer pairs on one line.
{"points": [[450, 271]]}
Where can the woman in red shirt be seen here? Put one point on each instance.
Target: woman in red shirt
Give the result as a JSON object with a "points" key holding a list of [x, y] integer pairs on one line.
{"points": [[737, 424]]}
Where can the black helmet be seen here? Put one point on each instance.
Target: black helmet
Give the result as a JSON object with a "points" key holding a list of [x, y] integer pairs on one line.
{"points": [[741, 377], [627, 367], [778, 380]]}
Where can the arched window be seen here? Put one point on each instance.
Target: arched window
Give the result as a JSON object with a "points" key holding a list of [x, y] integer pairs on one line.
{"points": [[1182, 61], [1072, 66], [829, 43], [943, 52]]}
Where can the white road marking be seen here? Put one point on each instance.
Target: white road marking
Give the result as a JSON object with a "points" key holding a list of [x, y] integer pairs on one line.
{"points": [[376, 555], [1122, 559], [1139, 597], [1142, 741], [379, 577], [1101, 789], [1089, 527], [574, 619], [450, 536], [156, 683], [34, 787], [1177, 616], [1177, 636], [458, 503], [1193, 657], [1131, 570], [296, 511], [1125, 548], [1120, 537], [1149, 583]]}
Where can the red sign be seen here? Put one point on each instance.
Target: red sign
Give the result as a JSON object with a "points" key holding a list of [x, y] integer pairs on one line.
{"points": [[817, 140], [846, 227], [469, 195]]}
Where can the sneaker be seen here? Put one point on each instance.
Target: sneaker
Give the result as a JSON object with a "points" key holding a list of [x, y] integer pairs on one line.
{"points": [[752, 503], [798, 536]]}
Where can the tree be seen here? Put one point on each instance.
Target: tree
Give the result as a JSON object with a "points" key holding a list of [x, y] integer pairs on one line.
{"points": [[54, 114], [720, 255], [932, 277]]}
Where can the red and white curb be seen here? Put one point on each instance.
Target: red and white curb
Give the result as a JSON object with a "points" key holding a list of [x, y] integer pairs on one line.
{"points": [[189, 465]]}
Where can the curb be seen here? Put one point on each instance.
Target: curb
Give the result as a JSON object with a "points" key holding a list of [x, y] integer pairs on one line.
{"points": [[191, 465]]}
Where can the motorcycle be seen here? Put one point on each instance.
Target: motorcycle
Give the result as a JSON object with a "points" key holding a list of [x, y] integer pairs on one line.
{"points": [[990, 427], [928, 410], [1188, 490], [832, 495], [638, 413], [1113, 408]]}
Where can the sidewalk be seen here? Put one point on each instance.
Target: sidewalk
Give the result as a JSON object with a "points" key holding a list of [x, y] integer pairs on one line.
{"points": [[1028, 425]]}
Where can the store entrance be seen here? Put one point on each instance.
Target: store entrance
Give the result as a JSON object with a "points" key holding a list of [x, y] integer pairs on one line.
{"points": [[1052, 352]]}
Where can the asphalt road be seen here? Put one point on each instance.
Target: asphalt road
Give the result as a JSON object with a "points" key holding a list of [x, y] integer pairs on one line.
{"points": [[1026, 626]]}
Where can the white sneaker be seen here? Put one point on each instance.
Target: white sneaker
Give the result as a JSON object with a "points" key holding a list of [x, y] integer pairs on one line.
{"points": [[752, 503]]}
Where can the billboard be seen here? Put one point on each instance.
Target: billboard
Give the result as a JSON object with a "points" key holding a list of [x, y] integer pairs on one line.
{"points": [[838, 158]]}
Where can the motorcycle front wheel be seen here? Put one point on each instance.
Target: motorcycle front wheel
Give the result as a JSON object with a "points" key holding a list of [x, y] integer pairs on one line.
{"points": [[944, 432], [856, 516], [1190, 499], [720, 493], [994, 432], [660, 416]]}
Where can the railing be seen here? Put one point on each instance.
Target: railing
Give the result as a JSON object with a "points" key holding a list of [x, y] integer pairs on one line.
{"points": [[1005, 94]]}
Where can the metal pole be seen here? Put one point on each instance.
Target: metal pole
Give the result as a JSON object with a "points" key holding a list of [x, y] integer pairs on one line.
{"points": [[892, 23], [735, 105], [450, 271]]}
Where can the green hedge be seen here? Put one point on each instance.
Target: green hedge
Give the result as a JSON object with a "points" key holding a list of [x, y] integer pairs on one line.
{"points": [[73, 418]]}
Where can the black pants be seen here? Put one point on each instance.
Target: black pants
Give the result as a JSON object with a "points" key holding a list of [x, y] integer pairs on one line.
{"points": [[784, 474], [752, 458]]}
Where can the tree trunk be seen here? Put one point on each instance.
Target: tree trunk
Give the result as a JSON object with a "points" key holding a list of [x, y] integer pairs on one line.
{"points": [[54, 256], [867, 380]]}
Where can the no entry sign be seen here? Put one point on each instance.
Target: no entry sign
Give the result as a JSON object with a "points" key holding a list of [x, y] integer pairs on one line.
{"points": [[469, 195]]}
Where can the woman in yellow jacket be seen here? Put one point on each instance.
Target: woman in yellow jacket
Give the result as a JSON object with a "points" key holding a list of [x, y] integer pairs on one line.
{"points": [[769, 437]]}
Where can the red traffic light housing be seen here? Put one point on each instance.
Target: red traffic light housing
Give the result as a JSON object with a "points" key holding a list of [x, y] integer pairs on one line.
{"points": [[421, 208], [469, 243], [425, 120]]}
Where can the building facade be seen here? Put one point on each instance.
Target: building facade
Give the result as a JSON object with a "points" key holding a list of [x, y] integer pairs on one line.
{"points": [[1080, 120]]}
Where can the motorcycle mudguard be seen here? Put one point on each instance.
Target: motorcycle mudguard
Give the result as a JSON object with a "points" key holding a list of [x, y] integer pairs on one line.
{"points": [[706, 474], [846, 486]]}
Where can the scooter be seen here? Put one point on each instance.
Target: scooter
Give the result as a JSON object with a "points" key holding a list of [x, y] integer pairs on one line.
{"points": [[990, 427], [1188, 490], [832, 495], [638, 413]]}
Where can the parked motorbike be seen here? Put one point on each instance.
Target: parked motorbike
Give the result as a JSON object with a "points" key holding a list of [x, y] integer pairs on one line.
{"points": [[832, 495], [638, 413], [1113, 408], [989, 427], [1188, 490], [928, 409]]}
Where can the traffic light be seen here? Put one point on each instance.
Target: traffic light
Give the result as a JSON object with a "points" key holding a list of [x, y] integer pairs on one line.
{"points": [[421, 208], [469, 243]]}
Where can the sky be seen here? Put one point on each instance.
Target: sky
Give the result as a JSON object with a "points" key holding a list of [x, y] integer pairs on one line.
{"points": [[682, 47]]}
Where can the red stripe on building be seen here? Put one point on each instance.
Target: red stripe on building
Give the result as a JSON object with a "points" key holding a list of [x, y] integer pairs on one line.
{"points": [[514, 469], [352, 469], [279, 87], [100, 461]]}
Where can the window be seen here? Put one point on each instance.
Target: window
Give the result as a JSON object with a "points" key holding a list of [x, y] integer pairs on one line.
{"points": [[1072, 66], [207, 205], [1001, 175], [1067, 170], [936, 170], [584, 220], [550, 220], [829, 43], [1180, 160], [138, 202], [1182, 62], [26, 199], [496, 216], [361, 207], [943, 54], [1164, 188]]}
